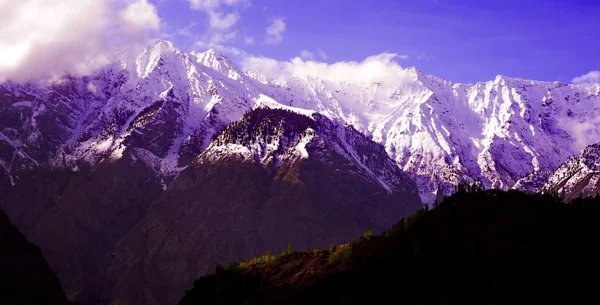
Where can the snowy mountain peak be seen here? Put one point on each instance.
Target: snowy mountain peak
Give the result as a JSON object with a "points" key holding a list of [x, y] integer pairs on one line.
{"points": [[165, 45], [147, 61], [219, 62]]}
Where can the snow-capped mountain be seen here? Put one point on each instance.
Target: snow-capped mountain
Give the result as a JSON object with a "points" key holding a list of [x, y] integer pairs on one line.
{"points": [[167, 104], [93, 168]]}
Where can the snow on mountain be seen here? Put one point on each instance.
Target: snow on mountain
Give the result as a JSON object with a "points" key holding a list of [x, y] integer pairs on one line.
{"points": [[170, 104], [441, 132], [272, 137], [578, 176]]}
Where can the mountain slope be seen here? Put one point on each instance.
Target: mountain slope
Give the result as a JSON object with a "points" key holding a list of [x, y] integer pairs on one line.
{"points": [[474, 248], [578, 176], [441, 132], [274, 177], [25, 277], [78, 217]]}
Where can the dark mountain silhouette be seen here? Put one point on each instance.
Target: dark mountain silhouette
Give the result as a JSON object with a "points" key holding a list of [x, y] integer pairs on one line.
{"points": [[479, 247], [25, 277]]}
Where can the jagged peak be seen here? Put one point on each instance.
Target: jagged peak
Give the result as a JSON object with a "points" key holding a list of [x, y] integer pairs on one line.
{"points": [[212, 55], [165, 45], [153, 54], [217, 61]]}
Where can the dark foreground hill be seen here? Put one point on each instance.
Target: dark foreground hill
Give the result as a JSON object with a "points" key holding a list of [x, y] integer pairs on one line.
{"points": [[25, 277], [485, 247]]}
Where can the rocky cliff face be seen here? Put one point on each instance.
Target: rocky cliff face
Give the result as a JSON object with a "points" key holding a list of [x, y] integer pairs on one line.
{"points": [[25, 277]]}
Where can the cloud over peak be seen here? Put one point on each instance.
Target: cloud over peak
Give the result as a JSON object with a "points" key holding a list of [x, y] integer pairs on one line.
{"points": [[41, 39], [591, 77], [378, 68]]}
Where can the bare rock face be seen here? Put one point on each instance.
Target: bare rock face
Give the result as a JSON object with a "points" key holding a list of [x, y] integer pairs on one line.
{"points": [[274, 177], [25, 277]]}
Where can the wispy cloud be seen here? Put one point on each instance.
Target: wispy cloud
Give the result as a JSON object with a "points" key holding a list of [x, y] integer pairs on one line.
{"points": [[223, 16], [36, 44], [591, 77], [223, 21], [584, 132], [322, 54], [249, 40], [185, 31], [275, 31], [424, 57], [209, 5], [307, 55]]}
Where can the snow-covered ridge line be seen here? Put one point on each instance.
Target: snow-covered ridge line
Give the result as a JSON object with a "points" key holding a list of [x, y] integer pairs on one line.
{"points": [[437, 131]]}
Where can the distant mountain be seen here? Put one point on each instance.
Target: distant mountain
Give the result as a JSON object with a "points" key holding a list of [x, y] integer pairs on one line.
{"points": [[488, 247], [25, 277], [86, 161]]}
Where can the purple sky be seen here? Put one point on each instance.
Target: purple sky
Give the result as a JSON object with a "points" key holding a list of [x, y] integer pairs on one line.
{"points": [[460, 40]]}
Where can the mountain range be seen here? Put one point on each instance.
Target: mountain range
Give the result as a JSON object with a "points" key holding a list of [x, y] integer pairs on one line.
{"points": [[138, 178]]}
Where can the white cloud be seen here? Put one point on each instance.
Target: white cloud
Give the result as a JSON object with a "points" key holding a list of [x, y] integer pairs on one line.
{"points": [[223, 16], [275, 31], [584, 132], [591, 77], [322, 54], [41, 39], [306, 55], [140, 15], [378, 68], [209, 5], [249, 40], [423, 56], [216, 39], [222, 21]]}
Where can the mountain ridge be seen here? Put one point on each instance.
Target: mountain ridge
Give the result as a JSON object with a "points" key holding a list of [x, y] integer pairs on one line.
{"points": [[438, 131]]}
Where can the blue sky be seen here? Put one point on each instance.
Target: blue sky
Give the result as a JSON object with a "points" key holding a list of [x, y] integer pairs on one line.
{"points": [[459, 40]]}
